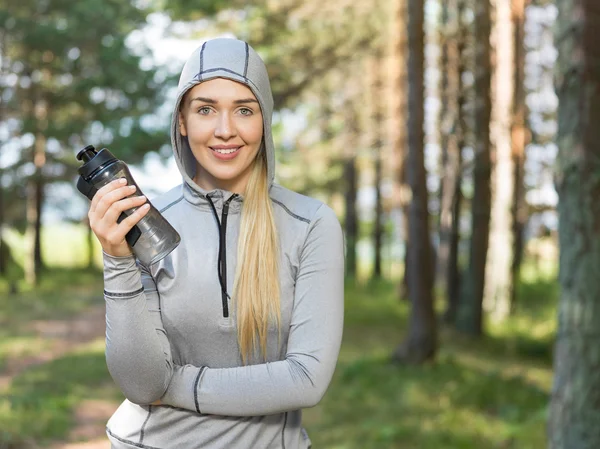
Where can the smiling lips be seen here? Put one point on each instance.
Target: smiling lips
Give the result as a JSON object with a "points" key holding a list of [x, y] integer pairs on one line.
{"points": [[225, 152]]}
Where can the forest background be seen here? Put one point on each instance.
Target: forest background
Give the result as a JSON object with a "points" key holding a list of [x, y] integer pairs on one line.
{"points": [[452, 137]]}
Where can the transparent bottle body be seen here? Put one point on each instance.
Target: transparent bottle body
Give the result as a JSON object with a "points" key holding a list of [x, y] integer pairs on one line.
{"points": [[158, 238]]}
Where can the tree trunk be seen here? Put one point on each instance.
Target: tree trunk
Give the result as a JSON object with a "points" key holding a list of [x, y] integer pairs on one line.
{"points": [[351, 178], [469, 317], [35, 199], [377, 124], [398, 115], [520, 139], [90, 244], [574, 412], [421, 342], [457, 58], [445, 40], [499, 257]]}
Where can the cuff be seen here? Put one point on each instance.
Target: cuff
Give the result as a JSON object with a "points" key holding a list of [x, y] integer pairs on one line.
{"points": [[183, 388], [122, 277]]}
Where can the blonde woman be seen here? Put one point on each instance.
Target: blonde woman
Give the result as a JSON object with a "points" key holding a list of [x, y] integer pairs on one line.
{"points": [[224, 341]]}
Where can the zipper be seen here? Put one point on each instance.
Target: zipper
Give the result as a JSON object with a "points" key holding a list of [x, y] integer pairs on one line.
{"points": [[223, 255]]}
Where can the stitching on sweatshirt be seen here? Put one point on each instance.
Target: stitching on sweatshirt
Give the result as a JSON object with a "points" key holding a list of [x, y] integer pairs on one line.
{"points": [[217, 69], [172, 204], [283, 430], [123, 295], [201, 61], [144, 425], [246, 64], [298, 217], [133, 443], [196, 389]]}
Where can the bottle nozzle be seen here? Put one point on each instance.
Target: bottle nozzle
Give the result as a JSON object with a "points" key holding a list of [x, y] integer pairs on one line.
{"points": [[87, 153]]}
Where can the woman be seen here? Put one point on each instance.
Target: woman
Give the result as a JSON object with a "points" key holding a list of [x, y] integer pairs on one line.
{"points": [[224, 341]]}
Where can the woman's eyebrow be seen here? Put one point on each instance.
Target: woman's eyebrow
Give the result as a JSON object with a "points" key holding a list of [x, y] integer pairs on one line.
{"points": [[212, 101], [245, 100], [204, 100]]}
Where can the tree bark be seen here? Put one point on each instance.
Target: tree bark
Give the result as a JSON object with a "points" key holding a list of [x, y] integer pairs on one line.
{"points": [[351, 218], [378, 130], [35, 198], [452, 139], [398, 116], [421, 342], [470, 314], [574, 412], [520, 139], [499, 257]]}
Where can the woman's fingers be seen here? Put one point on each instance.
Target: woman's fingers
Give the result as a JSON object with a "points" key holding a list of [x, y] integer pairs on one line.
{"points": [[109, 198], [116, 235], [118, 207], [104, 190]]}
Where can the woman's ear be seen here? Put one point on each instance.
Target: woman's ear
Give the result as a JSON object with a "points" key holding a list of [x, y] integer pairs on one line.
{"points": [[182, 128]]}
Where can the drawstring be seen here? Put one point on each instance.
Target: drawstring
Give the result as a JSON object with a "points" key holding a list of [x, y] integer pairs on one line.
{"points": [[222, 258]]}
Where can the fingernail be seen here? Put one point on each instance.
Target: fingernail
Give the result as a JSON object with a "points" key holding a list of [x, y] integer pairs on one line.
{"points": [[122, 181], [146, 206], [131, 187]]}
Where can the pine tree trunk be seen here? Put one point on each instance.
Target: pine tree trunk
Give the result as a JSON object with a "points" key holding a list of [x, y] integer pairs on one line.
{"points": [[451, 136], [470, 314], [90, 245], [574, 412], [421, 342], [398, 116], [444, 219], [35, 198], [351, 219], [377, 124], [452, 273], [499, 257], [520, 138]]}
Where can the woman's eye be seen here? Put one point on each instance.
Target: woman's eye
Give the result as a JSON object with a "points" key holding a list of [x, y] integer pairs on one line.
{"points": [[246, 111], [204, 111]]}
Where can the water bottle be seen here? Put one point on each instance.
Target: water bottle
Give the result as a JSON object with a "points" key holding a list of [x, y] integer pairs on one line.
{"points": [[153, 237]]}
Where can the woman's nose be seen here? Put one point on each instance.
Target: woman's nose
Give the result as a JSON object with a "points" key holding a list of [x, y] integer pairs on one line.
{"points": [[225, 128]]}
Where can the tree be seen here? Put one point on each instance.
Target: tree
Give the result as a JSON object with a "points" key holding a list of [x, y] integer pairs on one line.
{"points": [[470, 313], [78, 81], [574, 413], [520, 139], [377, 99], [421, 342], [452, 129], [499, 257]]}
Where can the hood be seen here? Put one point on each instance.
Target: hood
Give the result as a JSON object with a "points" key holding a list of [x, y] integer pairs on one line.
{"points": [[235, 60]]}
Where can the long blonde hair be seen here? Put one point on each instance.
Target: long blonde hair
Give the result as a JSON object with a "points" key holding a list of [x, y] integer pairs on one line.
{"points": [[256, 287]]}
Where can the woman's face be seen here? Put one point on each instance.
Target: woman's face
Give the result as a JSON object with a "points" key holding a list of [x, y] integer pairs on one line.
{"points": [[223, 123]]}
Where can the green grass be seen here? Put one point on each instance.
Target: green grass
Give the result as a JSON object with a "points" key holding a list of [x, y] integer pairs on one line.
{"points": [[487, 393]]}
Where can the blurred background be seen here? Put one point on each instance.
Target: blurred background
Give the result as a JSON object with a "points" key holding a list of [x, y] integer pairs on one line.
{"points": [[432, 129]]}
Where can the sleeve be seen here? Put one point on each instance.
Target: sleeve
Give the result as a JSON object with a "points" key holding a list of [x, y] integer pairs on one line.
{"points": [[138, 354], [301, 379]]}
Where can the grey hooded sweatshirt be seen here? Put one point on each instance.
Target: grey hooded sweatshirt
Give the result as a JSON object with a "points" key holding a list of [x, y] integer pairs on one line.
{"points": [[171, 331]]}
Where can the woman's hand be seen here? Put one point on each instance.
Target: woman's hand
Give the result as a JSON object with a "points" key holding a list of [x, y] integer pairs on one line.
{"points": [[107, 205]]}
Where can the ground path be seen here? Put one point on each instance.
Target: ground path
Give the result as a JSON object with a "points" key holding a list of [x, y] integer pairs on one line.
{"points": [[63, 337]]}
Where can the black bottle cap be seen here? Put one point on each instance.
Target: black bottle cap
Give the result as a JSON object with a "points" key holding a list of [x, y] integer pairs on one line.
{"points": [[87, 153], [93, 160]]}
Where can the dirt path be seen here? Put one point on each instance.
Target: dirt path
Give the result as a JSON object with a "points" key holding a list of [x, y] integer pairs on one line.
{"points": [[63, 337]]}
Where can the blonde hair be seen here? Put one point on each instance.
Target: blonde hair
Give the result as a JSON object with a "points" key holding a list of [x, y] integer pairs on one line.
{"points": [[256, 287]]}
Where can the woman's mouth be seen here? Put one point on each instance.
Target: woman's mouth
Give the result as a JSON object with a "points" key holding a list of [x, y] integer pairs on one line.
{"points": [[225, 153]]}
